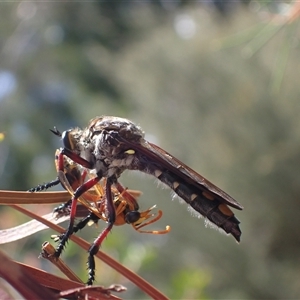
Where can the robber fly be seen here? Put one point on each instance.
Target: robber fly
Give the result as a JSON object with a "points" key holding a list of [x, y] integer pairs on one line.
{"points": [[110, 145], [126, 206], [93, 203]]}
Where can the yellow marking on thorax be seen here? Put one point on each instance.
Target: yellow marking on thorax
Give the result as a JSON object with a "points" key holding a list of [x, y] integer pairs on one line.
{"points": [[130, 151]]}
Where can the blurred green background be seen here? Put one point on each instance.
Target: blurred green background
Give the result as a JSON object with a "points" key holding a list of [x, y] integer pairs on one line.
{"points": [[214, 83]]}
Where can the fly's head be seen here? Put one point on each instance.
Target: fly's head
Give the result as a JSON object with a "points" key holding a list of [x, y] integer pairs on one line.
{"points": [[72, 140], [79, 143]]}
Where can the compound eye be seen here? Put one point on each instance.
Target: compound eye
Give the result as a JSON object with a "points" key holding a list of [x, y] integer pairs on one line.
{"points": [[67, 140], [132, 217]]}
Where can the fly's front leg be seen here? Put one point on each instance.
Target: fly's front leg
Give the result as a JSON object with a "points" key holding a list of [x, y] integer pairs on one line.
{"points": [[111, 218], [81, 190], [75, 157]]}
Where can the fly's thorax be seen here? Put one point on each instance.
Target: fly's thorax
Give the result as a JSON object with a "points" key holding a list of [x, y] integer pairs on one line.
{"points": [[112, 158], [125, 128], [110, 137]]}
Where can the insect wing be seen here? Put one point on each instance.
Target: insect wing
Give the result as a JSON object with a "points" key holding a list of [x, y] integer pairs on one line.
{"points": [[157, 155], [182, 170]]}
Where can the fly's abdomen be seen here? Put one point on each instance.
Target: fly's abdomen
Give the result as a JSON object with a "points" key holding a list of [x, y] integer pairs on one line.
{"points": [[200, 199]]}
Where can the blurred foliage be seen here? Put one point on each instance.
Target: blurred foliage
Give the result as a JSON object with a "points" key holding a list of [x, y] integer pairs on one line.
{"points": [[184, 72]]}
